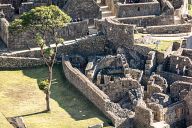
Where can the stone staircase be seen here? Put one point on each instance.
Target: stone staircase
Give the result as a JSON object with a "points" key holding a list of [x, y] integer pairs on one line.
{"points": [[106, 12]]}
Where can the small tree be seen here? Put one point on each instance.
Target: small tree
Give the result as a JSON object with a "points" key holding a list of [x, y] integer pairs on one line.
{"points": [[43, 24]]}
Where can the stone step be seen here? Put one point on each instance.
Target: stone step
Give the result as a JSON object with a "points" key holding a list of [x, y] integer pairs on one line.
{"points": [[103, 18], [177, 20], [92, 30], [104, 8], [107, 14]]}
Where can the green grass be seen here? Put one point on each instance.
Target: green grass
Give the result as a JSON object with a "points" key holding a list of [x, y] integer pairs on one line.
{"points": [[162, 47], [20, 96], [4, 123], [190, 9]]}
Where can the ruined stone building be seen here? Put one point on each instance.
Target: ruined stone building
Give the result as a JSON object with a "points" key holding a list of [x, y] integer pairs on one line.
{"points": [[135, 86]]}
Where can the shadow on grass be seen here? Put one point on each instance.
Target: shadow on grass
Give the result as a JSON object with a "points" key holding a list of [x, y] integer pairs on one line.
{"points": [[66, 95], [31, 114]]}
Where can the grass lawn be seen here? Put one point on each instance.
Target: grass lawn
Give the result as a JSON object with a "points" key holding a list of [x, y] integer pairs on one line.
{"points": [[162, 47], [20, 96], [4, 123], [190, 9]]}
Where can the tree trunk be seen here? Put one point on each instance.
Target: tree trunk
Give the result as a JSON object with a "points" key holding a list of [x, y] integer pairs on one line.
{"points": [[47, 98], [48, 92]]}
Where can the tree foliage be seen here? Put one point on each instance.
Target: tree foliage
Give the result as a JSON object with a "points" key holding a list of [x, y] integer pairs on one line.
{"points": [[42, 18]]}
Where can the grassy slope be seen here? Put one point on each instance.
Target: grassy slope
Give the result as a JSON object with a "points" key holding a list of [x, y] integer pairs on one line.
{"points": [[19, 95]]}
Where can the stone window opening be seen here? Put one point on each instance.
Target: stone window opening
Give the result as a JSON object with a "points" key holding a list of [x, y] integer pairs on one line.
{"points": [[112, 78], [102, 79], [182, 111], [138, 9], [155, 116]]}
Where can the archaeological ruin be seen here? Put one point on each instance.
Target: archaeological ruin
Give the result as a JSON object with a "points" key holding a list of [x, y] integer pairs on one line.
{"points": [[133, 81]]}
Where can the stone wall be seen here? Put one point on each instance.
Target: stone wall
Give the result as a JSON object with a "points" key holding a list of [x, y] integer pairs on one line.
{"points": [[8, 10], [152, 20], [112, 5], [171, 77], [15, 3], [138, 9], [188, 108], [177, 3], [119, 34], [187, 53], [177, 87], [27, 6], [24, 40], [181, 65], [4, 30], [166, 7], [87, 46], [84, 9], [175, 113], [143, 117], [150, 63], [19, 62], [169, 29]]}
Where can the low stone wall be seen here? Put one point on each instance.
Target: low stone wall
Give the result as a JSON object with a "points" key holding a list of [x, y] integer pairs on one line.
{"points": [[138, 9], [171, 77], [169, 29], [87, 46], [19, 62], [152, 20], [18, 41]]}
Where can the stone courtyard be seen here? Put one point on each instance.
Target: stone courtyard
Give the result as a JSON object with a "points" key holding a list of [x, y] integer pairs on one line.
{"points": [[129, 79]]}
